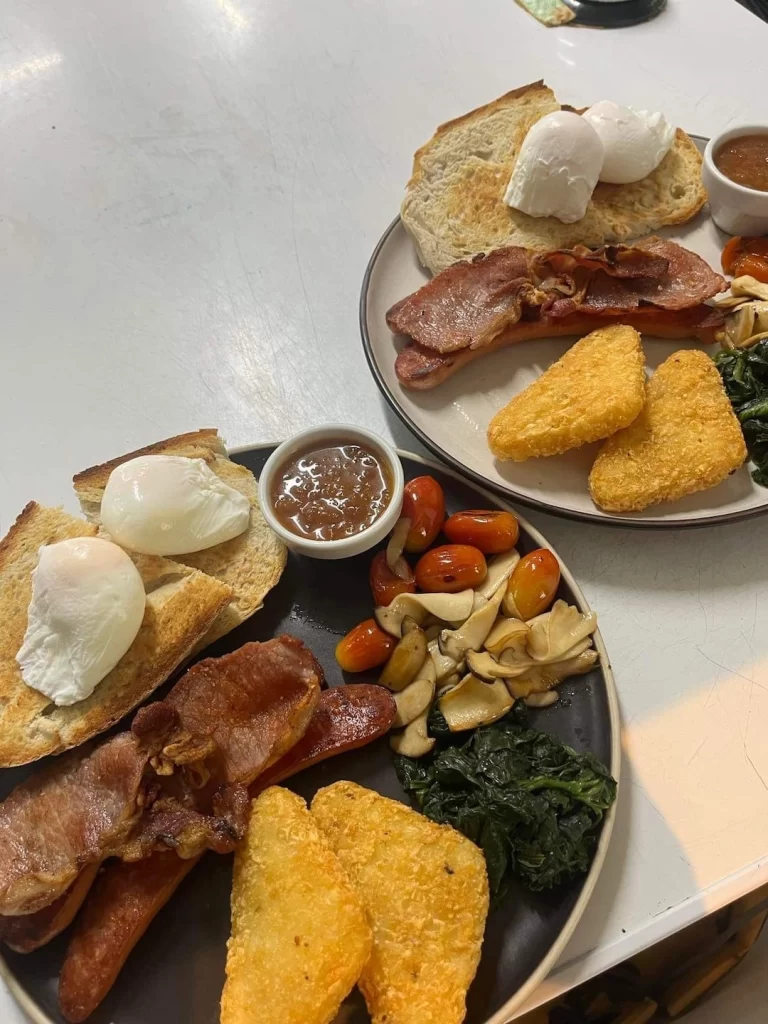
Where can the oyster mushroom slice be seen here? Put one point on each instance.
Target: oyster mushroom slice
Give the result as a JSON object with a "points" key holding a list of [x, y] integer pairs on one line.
{"points": [[761, 316], [472, 634], [540, 678], [507, 634], [427, 670], [412, 701], [473, 703], [414, 740], [555, 632], [453, 608], [541, 700], [396, 546], [730, 301], [405, 661], [740, 326], [448, 683], [749, 286], [443, 664], [487, 669], [499, 570]]}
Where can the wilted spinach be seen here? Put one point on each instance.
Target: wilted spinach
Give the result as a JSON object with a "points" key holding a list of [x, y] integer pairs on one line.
{"points": [[532, 804], [745, 376]]}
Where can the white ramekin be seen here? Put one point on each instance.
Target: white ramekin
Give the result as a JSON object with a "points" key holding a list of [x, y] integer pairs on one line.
{"points": [[316, 438], [734, 208]]}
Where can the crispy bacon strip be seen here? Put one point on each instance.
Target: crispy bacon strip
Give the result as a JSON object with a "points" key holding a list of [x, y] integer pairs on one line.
{"points": [[688, 281], [469, 304], [222, 723], [472, 304], [71, 813], [421, 369], [126, 897], [617, 260]]}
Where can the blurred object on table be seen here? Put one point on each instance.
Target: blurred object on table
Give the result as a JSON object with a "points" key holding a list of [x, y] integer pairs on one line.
{"points": [[615, 13], [671, 978], [758, 7], [548, 12]]}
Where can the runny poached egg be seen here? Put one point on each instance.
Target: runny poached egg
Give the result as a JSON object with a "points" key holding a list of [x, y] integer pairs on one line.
{"points": [[87, 606], [171, 505], [635, 141], [557, 168]]}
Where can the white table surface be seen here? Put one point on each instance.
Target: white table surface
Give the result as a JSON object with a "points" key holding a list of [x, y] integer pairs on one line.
{"points": [[189, 192]]}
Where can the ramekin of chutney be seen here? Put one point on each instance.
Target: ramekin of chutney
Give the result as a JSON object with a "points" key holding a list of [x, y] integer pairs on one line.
{"points": [[735, 175], [333, 491]]}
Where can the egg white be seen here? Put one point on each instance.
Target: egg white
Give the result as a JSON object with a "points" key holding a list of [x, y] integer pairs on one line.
{"points": [[170, 505], [87, 606]]}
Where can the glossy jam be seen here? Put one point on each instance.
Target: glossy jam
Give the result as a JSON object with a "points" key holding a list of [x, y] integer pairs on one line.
{"points": [[331, 493], [745, 161]]}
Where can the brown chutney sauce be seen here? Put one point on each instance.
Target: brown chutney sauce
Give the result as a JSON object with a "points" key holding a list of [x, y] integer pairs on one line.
{"points": [[745, 161], [332, 492]]}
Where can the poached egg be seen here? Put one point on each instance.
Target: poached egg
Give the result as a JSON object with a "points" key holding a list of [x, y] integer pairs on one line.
{"points": [[557, 168], [171, 505], [87, 606], [635, 141]]}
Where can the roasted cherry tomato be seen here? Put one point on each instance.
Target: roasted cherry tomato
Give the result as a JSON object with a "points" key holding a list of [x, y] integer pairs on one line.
{"points": [[746, 256], [534, 582], [489, 530], [424, 504], [366, 646], [385, 584], [450, 568]]}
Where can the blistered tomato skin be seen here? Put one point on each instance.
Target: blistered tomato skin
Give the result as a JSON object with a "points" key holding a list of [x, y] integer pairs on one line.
{"points": [[450, 568], [385, 584], [424, 505], [534, 583], [746, 256], [491, 531], [364, 647]]}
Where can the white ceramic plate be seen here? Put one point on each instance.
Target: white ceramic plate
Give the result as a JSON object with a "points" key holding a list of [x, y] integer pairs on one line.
{"points": [[452, 419]]}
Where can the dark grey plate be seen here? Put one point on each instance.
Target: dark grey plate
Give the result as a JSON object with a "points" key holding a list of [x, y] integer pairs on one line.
{"points": [[177, 970]]}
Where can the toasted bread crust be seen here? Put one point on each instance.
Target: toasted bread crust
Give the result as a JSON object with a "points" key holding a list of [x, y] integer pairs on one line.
{"points": [[181, 606], [454, 203], [534, 90], [196, 444]]}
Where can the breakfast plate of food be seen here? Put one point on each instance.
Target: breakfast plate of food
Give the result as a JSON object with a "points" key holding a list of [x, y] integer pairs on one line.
{"points": [[412, 752], [548, 312]]}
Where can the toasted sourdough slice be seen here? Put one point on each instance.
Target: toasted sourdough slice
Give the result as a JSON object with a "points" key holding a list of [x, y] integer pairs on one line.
{"points": [[454, 203], [597, 388], [686, 439], [250, 564], [425, 889], [300, 935], [182, 604]]}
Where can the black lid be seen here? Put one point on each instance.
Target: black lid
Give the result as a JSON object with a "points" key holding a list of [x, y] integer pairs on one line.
{"points": [[615, 13]]}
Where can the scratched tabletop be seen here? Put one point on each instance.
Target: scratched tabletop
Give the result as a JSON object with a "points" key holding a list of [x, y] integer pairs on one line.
{"points": [[189, 193]]}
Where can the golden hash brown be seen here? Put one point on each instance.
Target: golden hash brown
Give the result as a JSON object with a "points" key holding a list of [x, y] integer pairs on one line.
{"points": [[595, 389], [425, 889], [686, 439], [300, 936]]}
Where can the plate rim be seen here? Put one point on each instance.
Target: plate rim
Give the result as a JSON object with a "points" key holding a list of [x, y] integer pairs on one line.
{"points": [[38, 1016], [508, 493]]}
